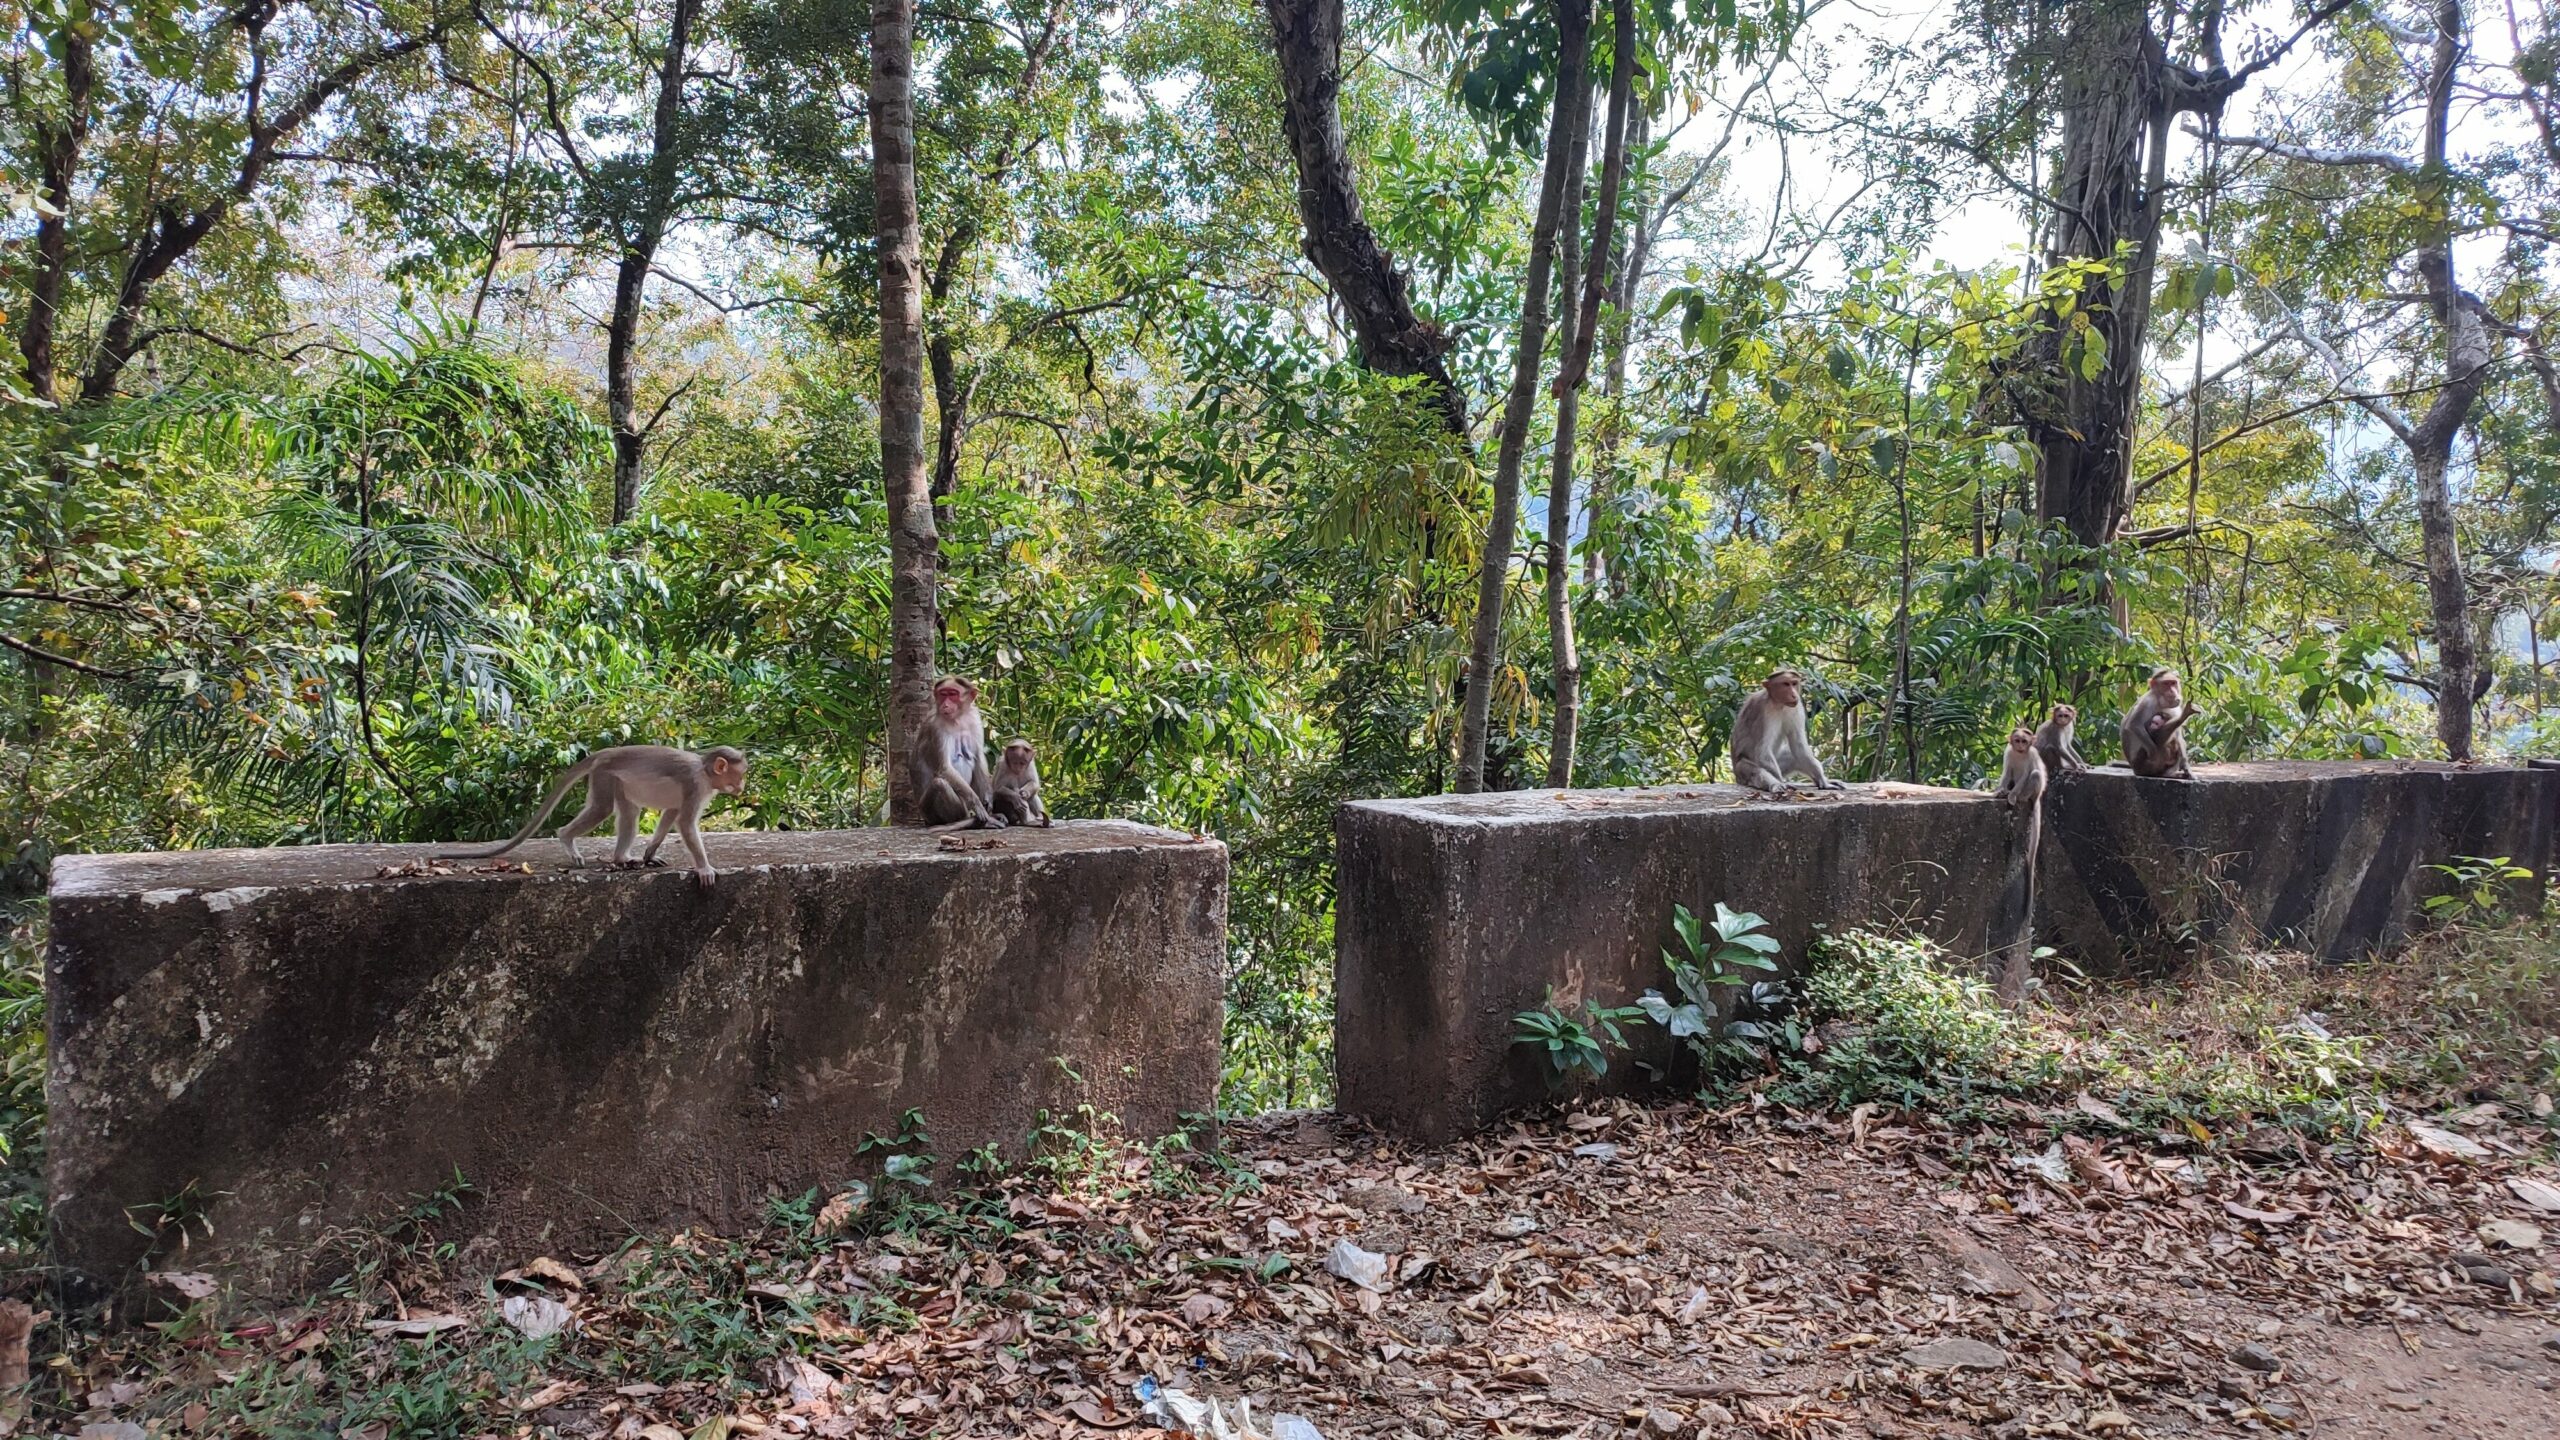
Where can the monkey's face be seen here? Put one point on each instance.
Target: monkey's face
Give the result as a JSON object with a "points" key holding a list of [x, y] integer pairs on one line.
{"points": [[1017, 756], [2022, 740], [953, 696], [728, 776], [2064, 715], [2164, 686], [1786, 688]]}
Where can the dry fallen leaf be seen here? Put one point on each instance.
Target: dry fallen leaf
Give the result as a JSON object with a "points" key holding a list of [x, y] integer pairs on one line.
{"points": [[2541, 1195], [2444, 1144]]}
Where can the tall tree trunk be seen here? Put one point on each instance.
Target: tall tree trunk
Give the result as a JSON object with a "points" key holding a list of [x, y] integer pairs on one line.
{"points": [[1565, 656], [2106, 197], [1306, 38], [1573, 41], [2466, 365], [58, 143], [642, 235], [1580, 323], [914, 544], [2119, 93]]}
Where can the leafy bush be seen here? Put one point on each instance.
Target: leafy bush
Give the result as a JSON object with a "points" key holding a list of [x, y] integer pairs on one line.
{"points": [[1896, 1023], [1569, 1049], [1730, 1021], [2479, 886]]}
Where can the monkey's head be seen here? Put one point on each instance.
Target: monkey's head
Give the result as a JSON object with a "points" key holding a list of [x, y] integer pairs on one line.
{"points": [[2064, 715], [727, 769], [2022, 739], [952, 695], [1785, 687], [1017, 756], [2164, 684]]}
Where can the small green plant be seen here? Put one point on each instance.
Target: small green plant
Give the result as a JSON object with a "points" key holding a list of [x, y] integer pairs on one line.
{"points": [[2479, 887], [1570, 1049], [1729, 1020], [905, 1157], [1903, 1026]]}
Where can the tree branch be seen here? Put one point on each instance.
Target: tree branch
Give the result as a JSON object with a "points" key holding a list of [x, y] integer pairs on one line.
{"points": [[65, 661]]}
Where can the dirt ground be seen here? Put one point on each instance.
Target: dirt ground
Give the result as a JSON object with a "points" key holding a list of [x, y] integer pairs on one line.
{"points": [[1690, 1275], [1651, 1270]]}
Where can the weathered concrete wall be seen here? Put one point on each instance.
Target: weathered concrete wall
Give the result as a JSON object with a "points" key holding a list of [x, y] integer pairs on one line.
{"points": [[1458, 912], [302, 1045], [2326, 858]]}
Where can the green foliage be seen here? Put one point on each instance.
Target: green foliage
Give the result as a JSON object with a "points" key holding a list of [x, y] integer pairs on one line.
{"points": [[2480, 887], [1572, 1048], [1898, 1024], [1730, 1021]]}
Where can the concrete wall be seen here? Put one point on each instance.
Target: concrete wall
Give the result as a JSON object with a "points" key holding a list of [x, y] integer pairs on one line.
{"points": [[1456, 913], [305, 1046], [2325, 858]]}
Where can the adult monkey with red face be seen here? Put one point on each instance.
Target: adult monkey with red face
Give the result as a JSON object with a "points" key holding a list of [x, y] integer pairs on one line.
{"points": [[949, 761], [1769, 741]]}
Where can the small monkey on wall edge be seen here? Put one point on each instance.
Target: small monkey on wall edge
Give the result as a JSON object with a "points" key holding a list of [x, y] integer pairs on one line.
{"points": [[626, 780]]}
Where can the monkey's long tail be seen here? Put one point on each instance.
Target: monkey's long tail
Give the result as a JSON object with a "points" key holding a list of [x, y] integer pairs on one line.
{"points": [[572, 776]]}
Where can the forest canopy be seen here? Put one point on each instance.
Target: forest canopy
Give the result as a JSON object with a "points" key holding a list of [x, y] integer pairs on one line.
{"points": [[1322, 400]]}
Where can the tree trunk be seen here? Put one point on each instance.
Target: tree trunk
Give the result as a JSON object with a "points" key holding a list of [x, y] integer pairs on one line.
{"points": [[621, 388], [58, 146], [1573, 38], [642, 235], [914, 545], [2466, 365], [950, 423], [1579, 324], [1565, 656], [1306, 37], [2106, 193]]}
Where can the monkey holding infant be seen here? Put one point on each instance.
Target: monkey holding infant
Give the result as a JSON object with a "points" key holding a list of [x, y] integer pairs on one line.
{"points": [[959, 786]]}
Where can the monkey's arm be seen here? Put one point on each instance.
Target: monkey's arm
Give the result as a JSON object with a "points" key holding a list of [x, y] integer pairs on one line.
{"points": [[964, 793], [1805, 761]]}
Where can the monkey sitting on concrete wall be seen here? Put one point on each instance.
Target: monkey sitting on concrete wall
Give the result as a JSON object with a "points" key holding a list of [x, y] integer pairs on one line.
{"points": [[2152, 744], [1769, 742]]}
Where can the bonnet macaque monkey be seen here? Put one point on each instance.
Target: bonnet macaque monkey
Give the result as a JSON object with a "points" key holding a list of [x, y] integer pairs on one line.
{"points": [[1769, 741], [2054, 742], [2152, 744], [949, 761], [2023, 787], [2022, 774], [1017, 796], [626, 780]]}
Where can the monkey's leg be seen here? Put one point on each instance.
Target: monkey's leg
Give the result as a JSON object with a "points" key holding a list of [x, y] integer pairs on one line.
{"points": [[666, 827], [964, 799], [942, 801], [599, 804], [1748, 771], [626, 829], [703, 874]]}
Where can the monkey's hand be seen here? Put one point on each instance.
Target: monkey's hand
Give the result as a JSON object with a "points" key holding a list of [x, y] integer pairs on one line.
{"points": [[1044, 822], [1831, 784], [992, 821], [705, 879]]}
